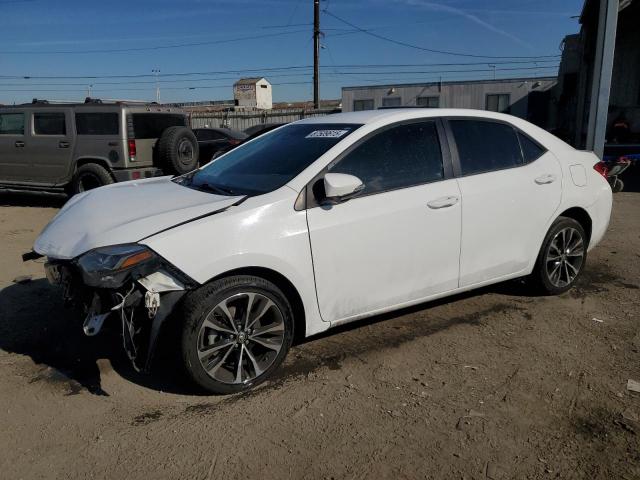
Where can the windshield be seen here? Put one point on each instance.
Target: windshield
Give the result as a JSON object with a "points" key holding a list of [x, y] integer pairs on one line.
{"points": [[269, 161]]}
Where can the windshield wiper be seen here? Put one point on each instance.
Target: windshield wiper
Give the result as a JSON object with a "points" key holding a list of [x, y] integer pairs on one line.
{"points": [[209, 187]]}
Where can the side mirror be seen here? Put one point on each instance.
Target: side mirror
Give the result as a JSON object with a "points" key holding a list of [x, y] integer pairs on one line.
{"points": [[340, 187]]}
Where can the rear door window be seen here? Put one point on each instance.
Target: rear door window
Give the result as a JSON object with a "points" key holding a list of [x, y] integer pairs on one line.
{"points": [[49, 123], [530, 149], [485, 146], [11, 123], [97, 123], [398, 157], [151, 125]]}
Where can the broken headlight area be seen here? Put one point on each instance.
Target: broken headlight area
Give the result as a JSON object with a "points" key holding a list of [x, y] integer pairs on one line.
{"points": [[128, 284]]}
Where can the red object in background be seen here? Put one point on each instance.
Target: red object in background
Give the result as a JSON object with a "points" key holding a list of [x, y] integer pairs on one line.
{"points": [[601, 168], [132, 150]]}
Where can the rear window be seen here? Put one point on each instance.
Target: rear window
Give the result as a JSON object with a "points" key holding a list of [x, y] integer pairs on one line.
{"points": [[11, 123], [151, 125], [97, 123], [52, 123]]}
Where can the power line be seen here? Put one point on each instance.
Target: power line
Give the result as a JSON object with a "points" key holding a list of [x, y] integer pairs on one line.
{"points": [[417, 47], [270, 69], [144, 49], [332, 68]]}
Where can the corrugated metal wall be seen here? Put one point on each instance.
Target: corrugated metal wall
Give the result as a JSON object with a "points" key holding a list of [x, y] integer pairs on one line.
{"points": [[243, 120], [451, 94]]}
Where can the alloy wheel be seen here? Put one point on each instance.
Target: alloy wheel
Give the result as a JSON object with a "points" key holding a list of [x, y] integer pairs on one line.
{"points": [[565, 257], [240, 338]]}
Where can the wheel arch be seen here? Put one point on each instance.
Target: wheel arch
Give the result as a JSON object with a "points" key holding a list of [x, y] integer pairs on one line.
{"points": [[284, 284], [98, 161], [581, 216]]}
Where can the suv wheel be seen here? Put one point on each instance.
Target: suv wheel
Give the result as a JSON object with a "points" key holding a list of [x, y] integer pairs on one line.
{"points": [[236, 332], [562, 257], [177, 150], [88, 177]]}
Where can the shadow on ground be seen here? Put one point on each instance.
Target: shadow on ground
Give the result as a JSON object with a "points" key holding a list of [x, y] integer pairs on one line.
{"points": [[34, 322], [9, 198]]}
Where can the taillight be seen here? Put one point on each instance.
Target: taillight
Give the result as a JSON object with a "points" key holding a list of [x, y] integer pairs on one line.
{"points": [[601, 168], [234, 141], [132, 150]]}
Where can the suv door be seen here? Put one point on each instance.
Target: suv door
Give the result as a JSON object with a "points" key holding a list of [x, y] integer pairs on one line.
{"points": [[399, 241], [508, 198], [50, 148], [14, 164]]}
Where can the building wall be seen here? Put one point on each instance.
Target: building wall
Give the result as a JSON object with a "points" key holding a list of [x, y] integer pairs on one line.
{"points": [[254, 95], [573, 104], [264, 95], [468, 94], [245, 94]]}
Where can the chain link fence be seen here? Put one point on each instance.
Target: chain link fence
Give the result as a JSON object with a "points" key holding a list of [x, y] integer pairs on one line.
{"points": [[243, 120]]}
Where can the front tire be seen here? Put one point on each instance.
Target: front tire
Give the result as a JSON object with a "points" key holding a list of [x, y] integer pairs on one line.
{"points": [[562, 257], [236, 333]]}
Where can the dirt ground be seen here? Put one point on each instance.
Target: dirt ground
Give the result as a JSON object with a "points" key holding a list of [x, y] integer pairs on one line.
{"points": [[493, 384]]}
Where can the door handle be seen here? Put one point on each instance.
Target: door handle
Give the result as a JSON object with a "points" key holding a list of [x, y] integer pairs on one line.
{"points": [[63, 144], [113, 144], [547, 178], [443, 202], [19, 144]]}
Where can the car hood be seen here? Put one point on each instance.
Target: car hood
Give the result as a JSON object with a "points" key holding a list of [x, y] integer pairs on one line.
{"points": [[124, 213]]}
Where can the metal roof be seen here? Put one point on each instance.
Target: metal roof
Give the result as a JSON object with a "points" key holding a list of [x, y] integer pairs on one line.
{"points": [[248, 81], [452, 82]]}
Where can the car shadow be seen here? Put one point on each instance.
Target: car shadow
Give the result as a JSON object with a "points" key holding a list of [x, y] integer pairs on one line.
{"points": [[34, 322], [12, 198]]}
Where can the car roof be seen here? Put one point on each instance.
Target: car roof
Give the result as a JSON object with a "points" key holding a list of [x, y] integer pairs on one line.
{"points": [[378, 118], [225, 131], [370, 116]]}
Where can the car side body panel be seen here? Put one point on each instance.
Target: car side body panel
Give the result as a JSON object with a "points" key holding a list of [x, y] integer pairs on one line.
{"points": [[263, 231]]}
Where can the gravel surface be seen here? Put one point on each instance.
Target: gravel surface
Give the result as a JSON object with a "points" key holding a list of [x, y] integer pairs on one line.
{"points": [[492, 384]]}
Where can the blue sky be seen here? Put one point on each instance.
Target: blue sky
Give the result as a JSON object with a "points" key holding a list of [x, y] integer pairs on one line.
{"points": [[266, 34]]}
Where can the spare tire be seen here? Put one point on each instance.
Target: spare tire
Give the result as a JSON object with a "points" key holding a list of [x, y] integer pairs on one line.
{"points": [[177, 151]]}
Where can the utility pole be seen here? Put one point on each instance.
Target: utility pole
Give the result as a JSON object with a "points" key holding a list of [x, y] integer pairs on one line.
{"points": [[156, 71], [316, 54]]}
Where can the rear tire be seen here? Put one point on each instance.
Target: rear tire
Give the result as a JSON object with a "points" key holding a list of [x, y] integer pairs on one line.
{"points": [[618, 186], [224, 349], [177, 150], [561, 259], [88, 177]]}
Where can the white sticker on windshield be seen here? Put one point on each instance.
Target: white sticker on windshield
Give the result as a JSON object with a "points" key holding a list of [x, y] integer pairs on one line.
{"points": [[327, 133]]}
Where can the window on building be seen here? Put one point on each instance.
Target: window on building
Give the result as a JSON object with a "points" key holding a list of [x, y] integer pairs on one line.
{"points": [[428, 102], [498, 102], [530, 150], [398, 157], [485, 146], [97, 123], [391, 102], [359, 105], [50, 123], [11, 123]]}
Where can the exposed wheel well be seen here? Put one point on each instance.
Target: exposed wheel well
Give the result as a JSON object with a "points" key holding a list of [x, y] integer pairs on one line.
{"points": [[97, 161], [581, 216], [283, 284]]}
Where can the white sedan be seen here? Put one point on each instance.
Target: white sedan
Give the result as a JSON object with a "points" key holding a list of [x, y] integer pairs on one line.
{"points": [[323, 222]]}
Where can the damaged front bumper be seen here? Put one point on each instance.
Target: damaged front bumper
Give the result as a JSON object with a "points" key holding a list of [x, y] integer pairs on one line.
{"points": [[140, 298]]}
